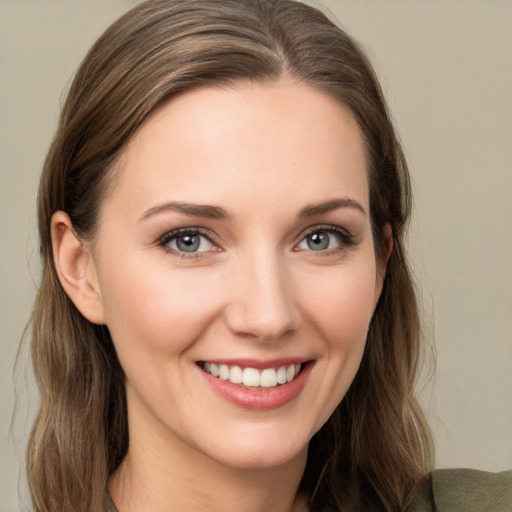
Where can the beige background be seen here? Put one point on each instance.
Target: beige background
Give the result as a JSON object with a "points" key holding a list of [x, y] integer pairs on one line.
{"points": [[446, 67]]}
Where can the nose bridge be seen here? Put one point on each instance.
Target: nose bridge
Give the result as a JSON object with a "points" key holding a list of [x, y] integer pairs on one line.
{"points": [[263, 305]]}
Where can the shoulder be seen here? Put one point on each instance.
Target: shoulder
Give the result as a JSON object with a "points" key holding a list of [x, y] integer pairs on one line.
{"points": [[470, 490]]}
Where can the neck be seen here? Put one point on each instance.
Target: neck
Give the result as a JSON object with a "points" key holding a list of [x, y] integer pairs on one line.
{"points": [[135, 489], [162, 474]]}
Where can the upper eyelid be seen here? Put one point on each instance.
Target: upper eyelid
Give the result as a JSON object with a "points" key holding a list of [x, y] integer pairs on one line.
{"points": [[163, 242], [168, 235], [325, 227], [214, 238], [347, 238]]}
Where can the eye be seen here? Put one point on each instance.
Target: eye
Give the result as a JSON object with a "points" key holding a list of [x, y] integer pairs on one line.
{"points": [[187, 241], [325, 239]]}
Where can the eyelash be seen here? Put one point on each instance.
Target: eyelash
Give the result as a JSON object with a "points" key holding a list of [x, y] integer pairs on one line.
{"points": [[346, 238], [167, 238]]}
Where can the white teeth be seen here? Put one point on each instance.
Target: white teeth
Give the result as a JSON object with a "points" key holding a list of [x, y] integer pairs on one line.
{"points": [[268, 378], [251, 377], [290, 373], [214, 369], [235, 375], [224, 371], [281, 375]]}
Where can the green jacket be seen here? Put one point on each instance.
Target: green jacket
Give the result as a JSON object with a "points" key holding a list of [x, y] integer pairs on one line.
{"points": [[469, 490]]}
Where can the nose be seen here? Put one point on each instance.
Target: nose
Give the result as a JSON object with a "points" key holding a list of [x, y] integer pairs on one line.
{"points": [[262, 302]]}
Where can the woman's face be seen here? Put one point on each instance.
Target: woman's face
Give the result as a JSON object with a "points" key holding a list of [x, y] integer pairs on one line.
{"points": [[237, 271]]}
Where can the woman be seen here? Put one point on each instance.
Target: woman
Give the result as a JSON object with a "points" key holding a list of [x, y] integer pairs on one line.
{"points": [[226, 316]]}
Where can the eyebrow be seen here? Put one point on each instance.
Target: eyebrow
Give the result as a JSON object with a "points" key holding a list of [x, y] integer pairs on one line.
{"points": [[196, 210], [216, 212], [328, 206]]}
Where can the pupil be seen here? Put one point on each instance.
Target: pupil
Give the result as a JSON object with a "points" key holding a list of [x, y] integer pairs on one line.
{"points": [[318, 241], [188, 243]]}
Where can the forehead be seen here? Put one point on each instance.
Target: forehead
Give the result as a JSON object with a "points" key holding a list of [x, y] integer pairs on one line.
{"points": [[249, 141]]}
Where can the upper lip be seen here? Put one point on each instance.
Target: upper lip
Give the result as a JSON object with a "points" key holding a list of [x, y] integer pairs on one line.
{"points": [[258, 364]]}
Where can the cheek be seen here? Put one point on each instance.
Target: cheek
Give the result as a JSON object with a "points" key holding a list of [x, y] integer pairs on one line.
{"points": [[341, 304], [158, 309], [338, 309]]}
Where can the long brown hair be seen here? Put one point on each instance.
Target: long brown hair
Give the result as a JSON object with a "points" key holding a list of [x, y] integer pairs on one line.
{"points": [[376, 448]]}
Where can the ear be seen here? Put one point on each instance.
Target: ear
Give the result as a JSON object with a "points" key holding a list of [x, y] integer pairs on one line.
{"points": [[387, 233], [76, 269]]}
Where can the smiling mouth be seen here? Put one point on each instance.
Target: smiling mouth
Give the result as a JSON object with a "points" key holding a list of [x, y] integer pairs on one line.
{"points": [[252, 377]]}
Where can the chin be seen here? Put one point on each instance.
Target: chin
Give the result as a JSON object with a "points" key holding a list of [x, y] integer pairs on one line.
{"points": [[260, 447], [253, 458]]}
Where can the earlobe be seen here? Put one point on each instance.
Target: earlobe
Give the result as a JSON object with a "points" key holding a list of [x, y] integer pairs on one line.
{"points": [[76, 269]]}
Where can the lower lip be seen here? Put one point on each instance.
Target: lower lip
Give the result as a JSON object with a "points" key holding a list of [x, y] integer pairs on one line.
{"points": [[260, 399]]}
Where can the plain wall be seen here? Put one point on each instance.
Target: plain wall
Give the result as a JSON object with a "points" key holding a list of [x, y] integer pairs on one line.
{"points": [[446, 67]]}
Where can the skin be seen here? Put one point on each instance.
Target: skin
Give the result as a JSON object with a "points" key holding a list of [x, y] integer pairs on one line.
{"points": [[264, 153]]}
